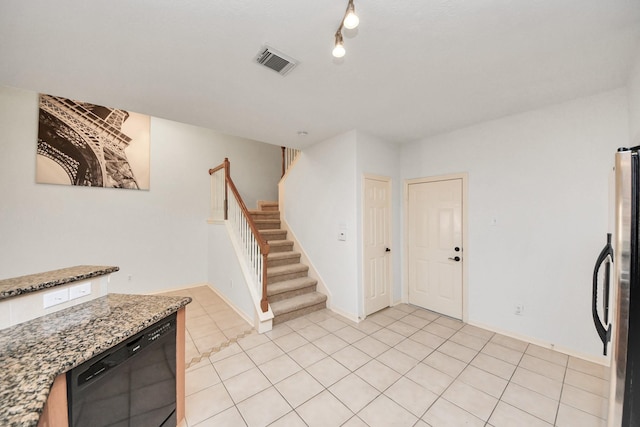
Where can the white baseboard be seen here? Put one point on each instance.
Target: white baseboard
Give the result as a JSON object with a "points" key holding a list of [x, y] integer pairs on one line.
{"points": [[605, 361], [196, 285], [222, 297], [229, 303], [349, 316]]}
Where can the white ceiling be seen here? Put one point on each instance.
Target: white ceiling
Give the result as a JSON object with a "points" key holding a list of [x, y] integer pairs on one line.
{"points": [[413, 68]]}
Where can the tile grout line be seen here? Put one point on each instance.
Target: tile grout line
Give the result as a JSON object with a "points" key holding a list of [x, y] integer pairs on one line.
{"points": [[294, 410], [581, 389], [216, 349], [509, 382], [380, 327], [380, 393], [564, 377], [354, 414], [441, 395], [372, 358]]}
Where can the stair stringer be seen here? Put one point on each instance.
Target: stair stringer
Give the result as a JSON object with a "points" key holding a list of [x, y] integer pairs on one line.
{"points": [[304, 259], [262, 321]]}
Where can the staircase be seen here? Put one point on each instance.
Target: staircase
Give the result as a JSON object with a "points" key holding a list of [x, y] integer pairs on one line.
{"points": [[291, 292]]}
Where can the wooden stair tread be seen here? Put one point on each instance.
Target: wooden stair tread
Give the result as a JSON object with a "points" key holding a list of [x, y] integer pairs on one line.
{"points": [[290, 285], [297, 303]]}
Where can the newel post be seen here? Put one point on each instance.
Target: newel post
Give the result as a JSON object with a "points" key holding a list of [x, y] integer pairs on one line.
{"points": [[283, 161], [227, 174]]}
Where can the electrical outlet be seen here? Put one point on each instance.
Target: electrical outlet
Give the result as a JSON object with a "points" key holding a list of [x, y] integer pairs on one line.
{"points": [[54, 298], [519, 310], [80, 290]]}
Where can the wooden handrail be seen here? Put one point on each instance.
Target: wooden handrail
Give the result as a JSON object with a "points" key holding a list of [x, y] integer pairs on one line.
{"points": [[264, 246], [217, 168], [227, 173]]}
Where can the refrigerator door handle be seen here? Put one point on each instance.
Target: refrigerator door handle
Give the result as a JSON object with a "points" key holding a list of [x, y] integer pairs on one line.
{"points": [[606, 258]]}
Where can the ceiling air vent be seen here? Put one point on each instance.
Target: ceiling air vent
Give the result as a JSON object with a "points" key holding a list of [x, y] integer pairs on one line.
{"points": [[278, 62]]}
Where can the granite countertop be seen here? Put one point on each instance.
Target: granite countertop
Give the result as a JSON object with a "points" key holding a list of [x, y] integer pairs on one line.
{"points": [[34, 353], [36, 282]]}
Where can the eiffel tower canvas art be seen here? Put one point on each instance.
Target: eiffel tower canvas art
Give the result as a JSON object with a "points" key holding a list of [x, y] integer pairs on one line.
{"points": [[90, 145]]}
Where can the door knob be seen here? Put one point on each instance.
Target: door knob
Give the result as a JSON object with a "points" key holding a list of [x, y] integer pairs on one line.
{"points": [[387, 250], [457, 249], [456, 259]]}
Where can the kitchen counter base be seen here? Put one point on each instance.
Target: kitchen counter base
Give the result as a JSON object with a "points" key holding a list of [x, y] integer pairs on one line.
{"points": [[34, 353]]}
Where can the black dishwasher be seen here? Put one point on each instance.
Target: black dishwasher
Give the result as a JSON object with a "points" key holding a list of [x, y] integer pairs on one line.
{"points": [[131, 384]]}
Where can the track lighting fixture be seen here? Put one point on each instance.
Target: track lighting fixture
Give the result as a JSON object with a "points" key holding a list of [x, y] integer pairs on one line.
{"points": [[338, 50], [349, 21]]}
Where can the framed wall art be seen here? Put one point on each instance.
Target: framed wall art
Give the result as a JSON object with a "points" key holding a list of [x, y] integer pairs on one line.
{"points": [[90, 145]]}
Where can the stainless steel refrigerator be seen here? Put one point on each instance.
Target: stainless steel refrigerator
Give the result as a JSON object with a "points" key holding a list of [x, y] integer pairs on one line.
{"points": [[621, 334]]}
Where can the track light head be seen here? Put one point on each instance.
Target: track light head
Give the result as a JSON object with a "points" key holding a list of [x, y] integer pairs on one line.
{"points": [[351, 20], [338, 50]]}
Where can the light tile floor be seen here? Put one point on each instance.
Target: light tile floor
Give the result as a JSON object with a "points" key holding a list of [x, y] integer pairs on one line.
{"points": [[211, 324], [403, 366]]}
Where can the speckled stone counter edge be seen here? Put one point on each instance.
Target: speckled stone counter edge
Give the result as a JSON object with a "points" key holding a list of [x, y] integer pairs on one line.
{"points": [[34, 353], [39, 281]]}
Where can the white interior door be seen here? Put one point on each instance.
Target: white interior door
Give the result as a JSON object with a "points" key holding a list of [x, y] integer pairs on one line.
{"points": [[376, 247], [435, 246]]}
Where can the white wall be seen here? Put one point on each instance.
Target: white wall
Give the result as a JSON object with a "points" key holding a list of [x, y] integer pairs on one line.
{"points": [[543, 175], [320, 198], [377, 157], [634, 101], [158, 237], [224, 271]]}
